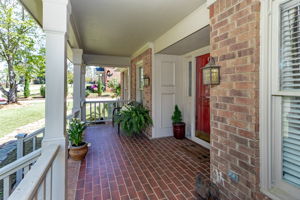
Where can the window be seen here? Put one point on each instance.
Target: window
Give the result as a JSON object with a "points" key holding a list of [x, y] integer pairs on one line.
{"points": [[280, 163], [140, 84], [190, 79]]}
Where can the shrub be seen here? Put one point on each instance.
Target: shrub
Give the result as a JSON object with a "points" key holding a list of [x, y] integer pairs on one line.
{"points": [[177, 117], [26, 88], [100, 88], [43, 91], [87, 93]]}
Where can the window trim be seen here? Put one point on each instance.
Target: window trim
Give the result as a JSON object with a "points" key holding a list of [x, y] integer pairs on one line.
{"points": [[270, 99], [138, 88]]}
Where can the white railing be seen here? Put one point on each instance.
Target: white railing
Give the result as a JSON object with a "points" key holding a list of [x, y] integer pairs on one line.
{"points": [[96, 111], [13, 173], [22, 139], [8, 172], [37, 184]]}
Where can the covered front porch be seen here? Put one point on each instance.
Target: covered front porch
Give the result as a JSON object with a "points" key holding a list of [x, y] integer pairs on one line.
{"points": [[162, 51], [120, 167]]}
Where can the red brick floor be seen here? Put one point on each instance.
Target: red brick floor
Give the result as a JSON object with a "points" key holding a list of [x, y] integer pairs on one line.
{"points": [[120, 167]]}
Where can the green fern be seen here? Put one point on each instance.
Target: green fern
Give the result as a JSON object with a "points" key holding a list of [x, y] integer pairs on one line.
{"points": [[134, 119]]}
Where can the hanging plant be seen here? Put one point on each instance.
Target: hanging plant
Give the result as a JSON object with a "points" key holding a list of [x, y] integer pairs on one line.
{"points": [[134, 119]]}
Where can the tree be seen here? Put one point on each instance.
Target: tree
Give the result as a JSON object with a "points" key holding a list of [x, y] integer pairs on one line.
{"points": [[19, 47]]}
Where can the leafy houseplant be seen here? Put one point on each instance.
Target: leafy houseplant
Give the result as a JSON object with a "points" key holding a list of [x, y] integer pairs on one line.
{"points": [[78, 148], [178, 125], [134, 119]]}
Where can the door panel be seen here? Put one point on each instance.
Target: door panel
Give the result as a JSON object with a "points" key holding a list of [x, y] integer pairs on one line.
{"points": [[164, 92], [202, 101]]}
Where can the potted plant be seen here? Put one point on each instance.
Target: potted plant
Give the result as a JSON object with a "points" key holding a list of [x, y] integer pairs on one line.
{"points": [[134, 119], [79, 147], [178, 125]]}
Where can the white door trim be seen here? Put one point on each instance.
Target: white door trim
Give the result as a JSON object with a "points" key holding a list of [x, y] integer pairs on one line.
{"points": [[191, 56]]}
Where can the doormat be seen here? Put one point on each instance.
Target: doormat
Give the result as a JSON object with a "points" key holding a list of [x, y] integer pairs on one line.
{"points": [[196, 151]]}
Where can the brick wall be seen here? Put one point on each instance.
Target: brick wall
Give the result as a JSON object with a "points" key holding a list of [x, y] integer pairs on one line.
{"points": [[235, 102], [146, 57]]}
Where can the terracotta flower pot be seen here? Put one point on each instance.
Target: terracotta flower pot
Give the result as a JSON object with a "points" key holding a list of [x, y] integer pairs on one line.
{"points": [[78, 153], [179, 130]]}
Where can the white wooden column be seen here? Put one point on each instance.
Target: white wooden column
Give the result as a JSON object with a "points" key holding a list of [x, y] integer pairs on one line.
{"points": [[82, 87], [77, 83], [55, 19]]}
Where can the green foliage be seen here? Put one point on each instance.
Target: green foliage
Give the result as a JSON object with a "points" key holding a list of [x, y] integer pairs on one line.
{"points": [[87, 93], [21, 46], [43, 91], [26, 88], [100, 88], [177, 117], [75, 131], [115, 86], [70, 77], [134, 119]]}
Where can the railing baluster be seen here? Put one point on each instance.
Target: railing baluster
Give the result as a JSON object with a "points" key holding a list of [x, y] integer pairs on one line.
{"points": [[99, 107], [20, 153], [102, 109], [6, 187], [48, 185], [26, 169], [95, 115], [34, 143]]}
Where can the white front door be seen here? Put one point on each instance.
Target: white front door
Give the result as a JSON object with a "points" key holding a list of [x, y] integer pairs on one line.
{"points": [[164, 94]]}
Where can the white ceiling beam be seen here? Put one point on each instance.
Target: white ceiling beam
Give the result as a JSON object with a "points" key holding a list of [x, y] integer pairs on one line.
{"points": [[35, 9], [190, 24], [104, 60]]}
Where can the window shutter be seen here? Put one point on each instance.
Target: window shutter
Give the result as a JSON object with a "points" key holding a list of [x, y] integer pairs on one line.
{"points": [[290, 47]]}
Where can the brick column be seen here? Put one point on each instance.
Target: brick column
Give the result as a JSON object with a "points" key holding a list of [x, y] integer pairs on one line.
{"points": [[234, 103]]}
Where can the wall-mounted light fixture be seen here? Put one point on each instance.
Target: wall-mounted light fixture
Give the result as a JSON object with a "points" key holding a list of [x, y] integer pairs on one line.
{"points": [[211, 73], [108, 73], [146, 81]]}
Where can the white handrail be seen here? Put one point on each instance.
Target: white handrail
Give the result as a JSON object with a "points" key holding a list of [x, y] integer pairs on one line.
{"points": [[35, 133], [35, 179], [19, 164]]}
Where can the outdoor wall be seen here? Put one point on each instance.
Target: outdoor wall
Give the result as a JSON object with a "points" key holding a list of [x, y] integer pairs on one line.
{"points": [[146, 58], [235, 103]]}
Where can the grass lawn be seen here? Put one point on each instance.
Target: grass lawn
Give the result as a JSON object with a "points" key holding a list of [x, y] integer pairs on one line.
{"points": [[12, 118], [15, 117]]}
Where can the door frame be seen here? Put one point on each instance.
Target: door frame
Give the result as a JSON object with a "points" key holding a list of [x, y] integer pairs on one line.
{"points": [[191, 56]]}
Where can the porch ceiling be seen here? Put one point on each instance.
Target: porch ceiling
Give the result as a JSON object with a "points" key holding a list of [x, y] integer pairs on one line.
{"points": [[121, 27]]}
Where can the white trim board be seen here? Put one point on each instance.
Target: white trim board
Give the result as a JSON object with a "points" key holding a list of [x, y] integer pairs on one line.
{"points": [[197, 20], [191, 56]]}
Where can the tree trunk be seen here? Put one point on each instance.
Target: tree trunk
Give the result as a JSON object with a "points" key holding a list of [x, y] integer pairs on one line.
{"points": [[12, 94]]}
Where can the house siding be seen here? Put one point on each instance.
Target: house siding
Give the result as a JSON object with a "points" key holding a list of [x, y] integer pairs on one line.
{"points": [[146, 57], [235, 45]]}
